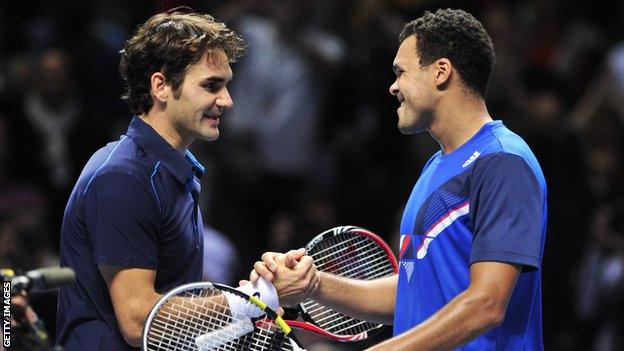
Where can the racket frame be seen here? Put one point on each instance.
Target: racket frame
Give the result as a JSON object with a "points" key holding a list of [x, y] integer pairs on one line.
{"points": [[270, 314], [309, 323]]}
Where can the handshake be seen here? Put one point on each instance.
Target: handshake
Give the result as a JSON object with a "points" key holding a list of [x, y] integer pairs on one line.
{"points": [[330, 283], [288, 278]]}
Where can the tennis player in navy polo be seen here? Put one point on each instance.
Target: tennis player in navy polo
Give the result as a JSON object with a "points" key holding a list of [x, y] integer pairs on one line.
{"points": [[474, 226], [132, 227]]}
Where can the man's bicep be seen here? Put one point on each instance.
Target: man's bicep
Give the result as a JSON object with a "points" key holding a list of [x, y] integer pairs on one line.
{"points": [[123, 221], [508, 210], [125, 282], [132, 295]]}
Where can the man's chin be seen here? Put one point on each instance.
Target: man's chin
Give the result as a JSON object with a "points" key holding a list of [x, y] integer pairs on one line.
{"points": [[415, 124], [208, 136], [410, 128]]}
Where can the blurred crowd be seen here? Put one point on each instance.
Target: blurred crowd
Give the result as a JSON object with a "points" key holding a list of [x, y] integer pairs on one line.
{"points": [[312, 142]]}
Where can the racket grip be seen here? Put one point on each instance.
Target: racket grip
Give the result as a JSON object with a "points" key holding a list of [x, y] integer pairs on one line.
{"points": [[216, 338], [264, 290]]}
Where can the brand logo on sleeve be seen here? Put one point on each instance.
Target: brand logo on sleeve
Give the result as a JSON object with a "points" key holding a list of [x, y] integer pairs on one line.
{"points": [[471, 159]]}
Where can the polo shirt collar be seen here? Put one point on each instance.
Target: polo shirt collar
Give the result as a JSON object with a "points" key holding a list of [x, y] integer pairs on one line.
{"points": [[183, 168]]}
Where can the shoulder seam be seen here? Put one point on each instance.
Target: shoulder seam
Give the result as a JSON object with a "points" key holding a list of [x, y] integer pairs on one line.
{"points": [[496, 155], [154, 186], [502, 148], [502, 153], [521, 158], [103, 164]]}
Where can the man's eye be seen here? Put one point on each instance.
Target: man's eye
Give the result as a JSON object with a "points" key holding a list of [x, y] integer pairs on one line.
{"points": [[212, 87]]}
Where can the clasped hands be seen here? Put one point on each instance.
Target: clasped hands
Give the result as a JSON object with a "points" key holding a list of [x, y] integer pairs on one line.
{"points": [[293, 274]]}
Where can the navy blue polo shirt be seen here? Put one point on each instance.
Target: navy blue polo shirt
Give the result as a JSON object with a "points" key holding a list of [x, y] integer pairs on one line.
{"points": [[134, 205]]}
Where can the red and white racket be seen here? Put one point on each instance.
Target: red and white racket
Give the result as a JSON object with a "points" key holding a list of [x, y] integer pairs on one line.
{"points": [[351, 252]]}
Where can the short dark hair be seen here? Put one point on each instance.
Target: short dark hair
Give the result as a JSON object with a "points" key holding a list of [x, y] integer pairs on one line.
{"points": [[170, 43], [459, 37]]}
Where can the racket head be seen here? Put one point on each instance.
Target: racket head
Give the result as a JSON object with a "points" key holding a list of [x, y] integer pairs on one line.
{"points": [[197, 316], [351, 252]]}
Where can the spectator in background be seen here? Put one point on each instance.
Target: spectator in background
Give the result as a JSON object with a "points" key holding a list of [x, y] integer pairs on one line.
{"points": [[599, 119], [220, 257], [605, 91], [24, 243], [52, 110], [27, 329], [362, 135], [560, 152], [24, 235], [280, 109], [106, 31], [600, 282], [46, 129], [273, 128]]}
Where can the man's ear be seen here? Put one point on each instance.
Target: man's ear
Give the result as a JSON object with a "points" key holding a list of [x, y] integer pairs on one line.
{"points": [[443, 72], [159, 88]]}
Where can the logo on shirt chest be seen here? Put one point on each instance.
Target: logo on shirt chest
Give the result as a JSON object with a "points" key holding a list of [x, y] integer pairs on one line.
{"points": [[439, 226]]}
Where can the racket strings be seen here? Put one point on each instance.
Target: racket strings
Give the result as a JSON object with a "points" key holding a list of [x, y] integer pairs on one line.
{"points": [[363, 268], [365, 261], [349, 255], [336, 322], [338, 259], [261, 339], [336, 246], [328, 245], [176, 317], [181, 315], [333, 248], [189, 315], [354, 326]]}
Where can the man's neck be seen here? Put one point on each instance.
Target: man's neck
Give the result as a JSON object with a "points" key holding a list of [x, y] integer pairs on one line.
{"points": [[458, 120], [161, 124]]}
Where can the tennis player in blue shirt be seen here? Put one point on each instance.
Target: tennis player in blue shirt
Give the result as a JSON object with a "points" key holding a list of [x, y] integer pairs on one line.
{"points": [[132, 227], [473, 229]]}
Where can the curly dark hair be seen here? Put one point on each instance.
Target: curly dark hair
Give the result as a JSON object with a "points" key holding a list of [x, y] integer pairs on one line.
{"points": [[459, 37], [170, 43]]}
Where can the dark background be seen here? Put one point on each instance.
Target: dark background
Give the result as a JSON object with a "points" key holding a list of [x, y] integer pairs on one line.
{"points": [[312, 141]]}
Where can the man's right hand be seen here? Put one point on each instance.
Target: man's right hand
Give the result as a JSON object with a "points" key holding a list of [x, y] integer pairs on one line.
{"points": [[293, 273]]}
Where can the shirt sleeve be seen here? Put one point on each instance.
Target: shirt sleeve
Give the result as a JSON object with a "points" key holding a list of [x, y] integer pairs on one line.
{"points": [[123, 221], [507, 209]]}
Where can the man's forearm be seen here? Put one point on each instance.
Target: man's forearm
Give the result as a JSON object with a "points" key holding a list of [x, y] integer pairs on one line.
{"points": [[371, 300], [464, 318]]}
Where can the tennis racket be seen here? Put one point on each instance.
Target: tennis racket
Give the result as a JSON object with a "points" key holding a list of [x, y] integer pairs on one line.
{"points": [[213, 317], [351, 252]]}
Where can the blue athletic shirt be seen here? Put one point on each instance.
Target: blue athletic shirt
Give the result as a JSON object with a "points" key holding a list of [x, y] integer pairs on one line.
{"points": [[134, 206], [485, 201]]}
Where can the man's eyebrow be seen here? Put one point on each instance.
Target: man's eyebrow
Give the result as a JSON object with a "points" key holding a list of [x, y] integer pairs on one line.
{"points": [[216, 79], [396, 68]]}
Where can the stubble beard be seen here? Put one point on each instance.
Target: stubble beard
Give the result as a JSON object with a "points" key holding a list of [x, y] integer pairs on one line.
{"points": [[421, 122]]}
